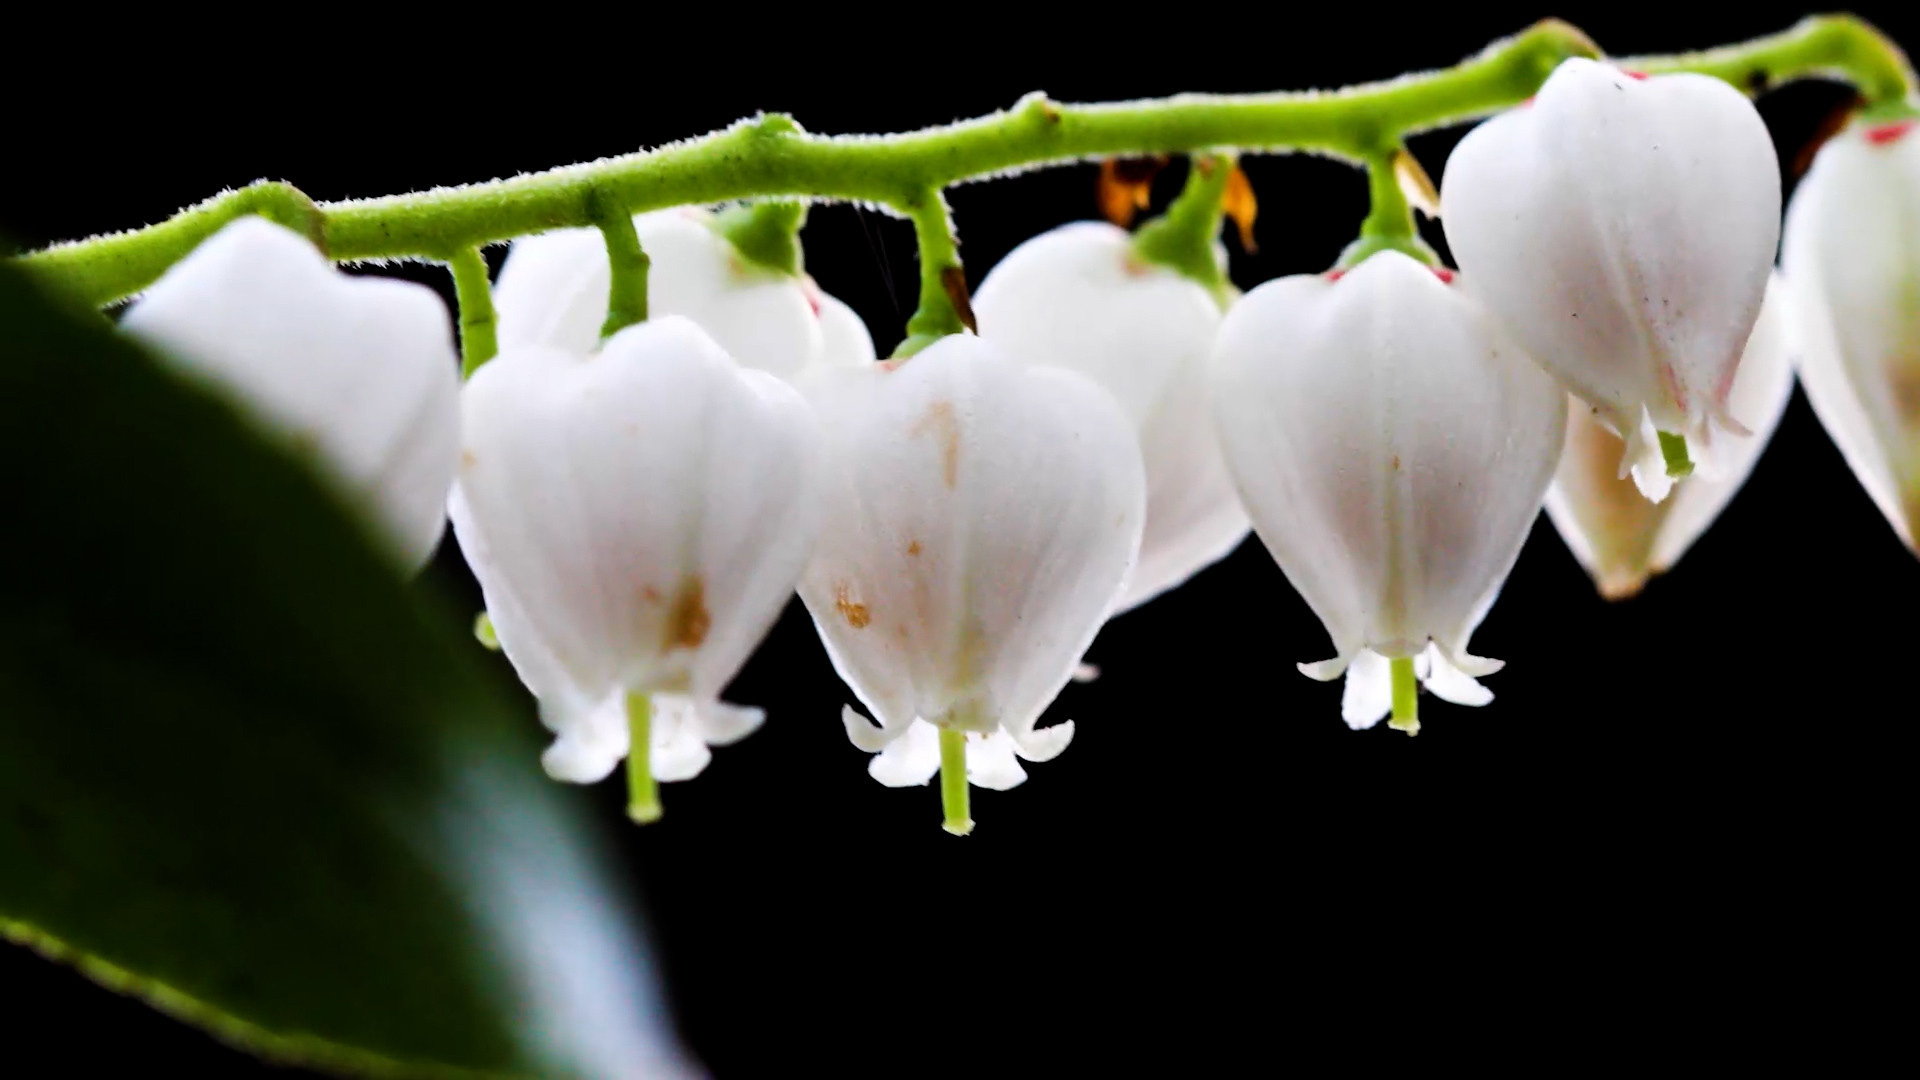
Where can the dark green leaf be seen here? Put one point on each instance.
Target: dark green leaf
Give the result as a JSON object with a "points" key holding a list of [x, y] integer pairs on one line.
{"points": [[245, 774]]}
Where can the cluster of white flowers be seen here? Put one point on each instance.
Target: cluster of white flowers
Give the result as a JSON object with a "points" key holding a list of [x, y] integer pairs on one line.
{"points": [[638, 509]]}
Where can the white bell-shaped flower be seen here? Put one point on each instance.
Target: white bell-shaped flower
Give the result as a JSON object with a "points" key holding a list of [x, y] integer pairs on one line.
{"points": [[1393, 447], [552, 290], [1621, 538], [981, 517], [1852, 262], [1622, 229], [1078, 298], [359, 374], [637, 517]]}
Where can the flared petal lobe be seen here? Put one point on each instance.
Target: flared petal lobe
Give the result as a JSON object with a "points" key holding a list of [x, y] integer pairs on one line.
{"points": [[358, 373], [980, 520], [637, 518], [1392, 446], [553, 291], [1077, 298], [1852, 260], [1619, 537], [1622, 230]]}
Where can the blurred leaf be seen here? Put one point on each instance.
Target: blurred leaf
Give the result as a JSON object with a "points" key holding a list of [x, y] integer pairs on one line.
{"points": [[246, 775]]}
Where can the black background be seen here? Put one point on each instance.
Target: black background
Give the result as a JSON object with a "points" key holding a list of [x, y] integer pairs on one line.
{"points": [[1678, 829]]}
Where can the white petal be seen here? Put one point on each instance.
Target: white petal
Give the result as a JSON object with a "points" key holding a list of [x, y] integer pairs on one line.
{"points": [[866, 734], [646, 510], [1085, 673], [1851, 257], [1391, 444], [1368, 696], [359, 373], [553, 292], [1758, 399], [991, 764], [910, 760], [1042, 744], [722, 724], [590, 738], [678, 752], [1075, 297], [845, 341], [1449, 683], [1645, 462], [980, 519], [1621, 538], [1623, 229]]}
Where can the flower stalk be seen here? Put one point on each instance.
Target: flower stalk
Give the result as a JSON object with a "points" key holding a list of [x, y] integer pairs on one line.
{"points": [[643, 794], [627, 296], [953, 782], [1406, 696], [478, 338]]}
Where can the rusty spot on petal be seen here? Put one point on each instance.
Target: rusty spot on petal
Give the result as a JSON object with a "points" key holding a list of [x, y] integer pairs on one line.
{"points": [[688, 619], [467, 460], [650, 594], [856, 614], [1126, 186], [913, 547], [940, 422], [1239, 204]]}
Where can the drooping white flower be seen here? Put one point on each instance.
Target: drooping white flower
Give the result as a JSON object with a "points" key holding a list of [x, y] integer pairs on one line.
{"points": [[981, 517], [1621, 538], [1622, 228], [552, 290], [1392, 446], [359, 374], [637, 517], [1852, 261], [1077, 297]]}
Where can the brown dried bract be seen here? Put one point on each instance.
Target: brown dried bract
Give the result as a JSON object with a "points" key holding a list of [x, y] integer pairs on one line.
{"points": [[954, 280], [1238, 203], [1126, 186]]}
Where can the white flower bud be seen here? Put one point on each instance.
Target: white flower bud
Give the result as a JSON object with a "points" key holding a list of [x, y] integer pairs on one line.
{"points": [[359, 374], [1621, 538], [1852, 261], [1393, 446], [1076, 297], [980, 520], [637, 518], [552, 290], [1622, 229]]}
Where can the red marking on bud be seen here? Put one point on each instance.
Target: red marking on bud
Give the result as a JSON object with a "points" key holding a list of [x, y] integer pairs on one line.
{"points": [[1334, 275], [1442, 273], [1883, 134], [1527, 104], [1638, 76]]}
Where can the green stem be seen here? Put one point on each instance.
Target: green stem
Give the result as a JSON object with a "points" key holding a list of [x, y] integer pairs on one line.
{"points": [[1844, 47], [1406, 696], [953, 782], [478, 341], [643, 795], [944, 306], [627, 292], [770, 156], [1389, 225], [766, 233], [1182, 238]]}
